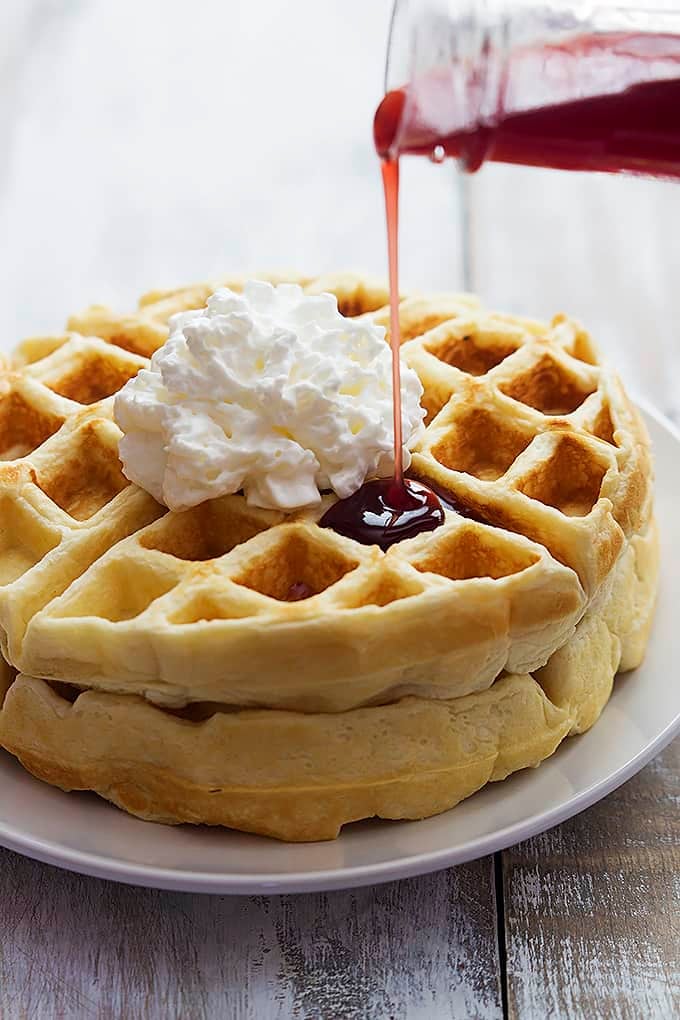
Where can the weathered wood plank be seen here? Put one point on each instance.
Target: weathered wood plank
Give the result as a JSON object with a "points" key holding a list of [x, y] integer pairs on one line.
{"points": [[592, 913], [74, 947]]}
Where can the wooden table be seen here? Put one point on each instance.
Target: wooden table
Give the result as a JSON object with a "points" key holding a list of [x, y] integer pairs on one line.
{"points": [[105, 191]]}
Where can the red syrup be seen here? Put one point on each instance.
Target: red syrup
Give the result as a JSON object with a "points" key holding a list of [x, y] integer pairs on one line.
{"points": [[297, 591], [388, 510], [383, 512], [631, 129]]}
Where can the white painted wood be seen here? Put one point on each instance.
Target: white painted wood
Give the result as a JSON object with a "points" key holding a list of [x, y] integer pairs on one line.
{"points": [[151, 143], [146, 144], [75, 947], [591, 907]]}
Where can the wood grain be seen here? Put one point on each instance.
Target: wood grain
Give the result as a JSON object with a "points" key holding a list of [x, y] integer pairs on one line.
{"points": [[75, 947], [592, 923]]}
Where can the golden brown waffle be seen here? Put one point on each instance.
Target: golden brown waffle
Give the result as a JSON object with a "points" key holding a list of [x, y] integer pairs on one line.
{"points": [[529, 433], [301, 776], [101, 588], [440, 615], [63, 497]]}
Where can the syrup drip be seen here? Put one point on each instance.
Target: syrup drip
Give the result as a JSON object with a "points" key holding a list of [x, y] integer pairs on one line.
{"points": [[298, 591], [390, 176], [388, 510], [384, 511], [451, 502]]}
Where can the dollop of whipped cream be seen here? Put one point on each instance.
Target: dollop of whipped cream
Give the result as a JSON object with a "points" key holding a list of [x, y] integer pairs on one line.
{"points": [[271, 391]]}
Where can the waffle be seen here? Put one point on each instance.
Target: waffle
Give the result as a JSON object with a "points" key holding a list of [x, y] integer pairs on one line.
{"points": [[169, 662], [301, 776]]}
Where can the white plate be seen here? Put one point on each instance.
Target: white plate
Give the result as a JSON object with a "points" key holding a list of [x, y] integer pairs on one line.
{"points": [[82, 833]]}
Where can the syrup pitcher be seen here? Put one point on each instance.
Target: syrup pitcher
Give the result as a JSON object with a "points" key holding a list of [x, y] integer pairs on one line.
{"points": [[565, 86]]}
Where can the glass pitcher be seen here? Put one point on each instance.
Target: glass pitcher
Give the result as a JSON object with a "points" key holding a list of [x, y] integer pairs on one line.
{"points": [[570, 86], [573, 86]]}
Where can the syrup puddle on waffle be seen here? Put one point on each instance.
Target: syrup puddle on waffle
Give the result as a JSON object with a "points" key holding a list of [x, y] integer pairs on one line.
{"points": [[386, 510]]}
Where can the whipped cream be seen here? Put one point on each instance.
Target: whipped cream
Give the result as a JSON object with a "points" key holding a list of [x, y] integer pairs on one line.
{"points": [[271, 391]]}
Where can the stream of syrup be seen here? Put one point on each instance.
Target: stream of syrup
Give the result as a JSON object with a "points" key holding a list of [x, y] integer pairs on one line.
{"points": [[388, 510]]}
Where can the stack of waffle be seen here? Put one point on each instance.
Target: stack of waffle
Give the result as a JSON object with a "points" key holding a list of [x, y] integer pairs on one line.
{"points": [[167, 661]]}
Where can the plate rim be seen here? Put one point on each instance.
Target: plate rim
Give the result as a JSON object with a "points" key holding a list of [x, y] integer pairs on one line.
{"points": [[425, 862]]}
